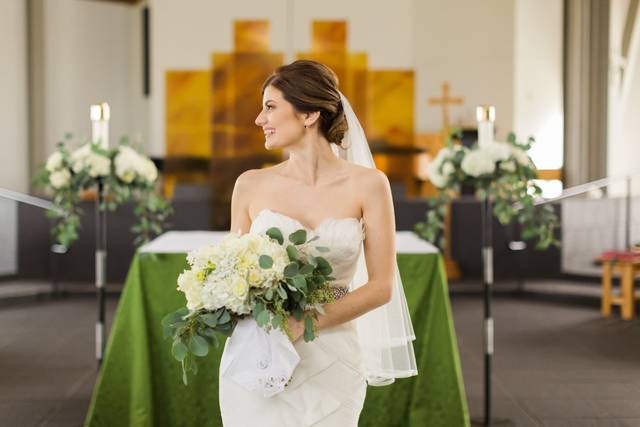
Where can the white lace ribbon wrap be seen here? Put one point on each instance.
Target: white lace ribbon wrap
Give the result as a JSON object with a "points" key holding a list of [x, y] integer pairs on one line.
{"points": [[257, 360]]}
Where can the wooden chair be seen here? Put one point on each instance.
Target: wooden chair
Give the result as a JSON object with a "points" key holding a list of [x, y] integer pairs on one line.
{"points": [[627, 264]]}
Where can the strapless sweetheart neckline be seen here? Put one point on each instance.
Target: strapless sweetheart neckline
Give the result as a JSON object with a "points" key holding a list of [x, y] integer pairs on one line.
{"points": [[323, 222]]}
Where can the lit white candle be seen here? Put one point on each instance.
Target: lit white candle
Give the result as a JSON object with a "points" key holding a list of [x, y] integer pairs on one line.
{"points": [[486, 115], [100, 114]]}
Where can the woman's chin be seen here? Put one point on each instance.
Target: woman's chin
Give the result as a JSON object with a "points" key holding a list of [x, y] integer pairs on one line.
{"points": [[272, 144]]}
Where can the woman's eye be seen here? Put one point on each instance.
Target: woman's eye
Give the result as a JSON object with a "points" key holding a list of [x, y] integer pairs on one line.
{"points": [[269, 107]]}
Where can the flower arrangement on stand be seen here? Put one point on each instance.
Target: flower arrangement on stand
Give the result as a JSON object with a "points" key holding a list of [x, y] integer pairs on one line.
{"points": [[124, 173], [500, 171]]}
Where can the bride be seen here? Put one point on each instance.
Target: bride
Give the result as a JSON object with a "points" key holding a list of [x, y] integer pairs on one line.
{"points": [[330, 187]]}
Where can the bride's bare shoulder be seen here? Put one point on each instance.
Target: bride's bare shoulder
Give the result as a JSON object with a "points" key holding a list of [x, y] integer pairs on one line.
{"points": [[366, 176], [255, 176]]}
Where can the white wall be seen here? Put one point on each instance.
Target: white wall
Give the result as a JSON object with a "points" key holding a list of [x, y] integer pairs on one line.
{"points": [[14, 161], [13, 101], [470, 44], [538, 78], [624, 102], [88, 54]]}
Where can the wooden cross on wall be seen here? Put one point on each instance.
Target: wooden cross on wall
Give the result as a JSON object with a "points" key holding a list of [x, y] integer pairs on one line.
{"points": [[445, 101]]}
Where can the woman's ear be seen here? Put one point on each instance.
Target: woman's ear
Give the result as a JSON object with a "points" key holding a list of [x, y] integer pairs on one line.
{"points": [[311, 118]]}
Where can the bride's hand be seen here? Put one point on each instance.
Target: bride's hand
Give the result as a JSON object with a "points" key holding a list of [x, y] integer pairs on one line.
{"points": [[296, 327]]}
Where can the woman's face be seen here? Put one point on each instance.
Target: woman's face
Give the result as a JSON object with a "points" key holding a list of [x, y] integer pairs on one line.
{"points": [[281, 123]]}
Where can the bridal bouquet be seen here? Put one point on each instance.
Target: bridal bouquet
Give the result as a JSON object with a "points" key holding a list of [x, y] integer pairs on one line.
{"points": [[247, 275]]}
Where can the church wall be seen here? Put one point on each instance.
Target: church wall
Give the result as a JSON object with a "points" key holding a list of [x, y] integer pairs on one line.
{"points": [[13, 122], [624, 102], [86, 55], [538, 57], [471, 45], [13, 102]]}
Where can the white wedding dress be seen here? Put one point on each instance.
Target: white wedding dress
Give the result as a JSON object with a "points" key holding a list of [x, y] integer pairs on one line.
{"points": [[328, 386]]}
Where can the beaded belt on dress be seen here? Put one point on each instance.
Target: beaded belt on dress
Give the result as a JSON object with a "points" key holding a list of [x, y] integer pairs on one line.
{"points": [[339, 291]]}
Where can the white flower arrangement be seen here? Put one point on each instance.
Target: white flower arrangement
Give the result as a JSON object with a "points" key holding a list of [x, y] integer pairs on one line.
{"points": [[502, 171], [124, 173]]}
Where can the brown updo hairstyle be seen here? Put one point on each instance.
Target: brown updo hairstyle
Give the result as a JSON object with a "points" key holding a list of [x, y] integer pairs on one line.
{"points": [[311, 86]]}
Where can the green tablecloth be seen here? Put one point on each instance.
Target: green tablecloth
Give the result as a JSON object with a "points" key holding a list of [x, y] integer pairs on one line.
{"points": [[140, 384]]}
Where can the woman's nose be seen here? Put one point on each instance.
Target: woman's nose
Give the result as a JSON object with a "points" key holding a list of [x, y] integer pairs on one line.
{"points": [[260, 119]]}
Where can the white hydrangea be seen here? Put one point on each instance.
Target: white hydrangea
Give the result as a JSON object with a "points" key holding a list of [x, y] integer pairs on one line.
{"points": [[130, 164], [149, 170], [521, 156], [95, 163], [60, 178], [222, 275], [496, 150], [440, 169], [478, 162], [127, 163], [54, 162]]}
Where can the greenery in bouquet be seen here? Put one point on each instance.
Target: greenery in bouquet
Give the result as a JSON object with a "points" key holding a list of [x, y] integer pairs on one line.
{"points": [[501, 171], [247, 275], [124, 173]]}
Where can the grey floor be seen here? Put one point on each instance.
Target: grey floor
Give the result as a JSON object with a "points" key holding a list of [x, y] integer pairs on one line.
{"points": [[556, 364]]}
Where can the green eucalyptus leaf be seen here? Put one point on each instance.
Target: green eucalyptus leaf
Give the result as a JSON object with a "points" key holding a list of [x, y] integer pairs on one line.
{"points": [[281, 292], [210, 319], [308, 329], [263, 318], [306, 269], [291, 269], [277, 320], [224, 317], [276, 234], [300, 282], [324, 266], [292, 252], [199, 346], [265, 261], [167, 331], [179, 350], [269, 294], [298, 237]]}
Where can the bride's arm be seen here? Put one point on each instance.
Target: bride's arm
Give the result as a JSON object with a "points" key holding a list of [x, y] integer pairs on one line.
{"points": [[380, 256], [240, 219]]}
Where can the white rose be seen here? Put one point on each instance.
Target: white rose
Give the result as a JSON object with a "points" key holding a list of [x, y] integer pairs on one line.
{"points": [[496, 150], [149, 170], [54, 162], [521, 156], [78, 158], [478, 162], [126, 163], [439, 171], [60, 178], [189, 284], [240, 288], [99, 165], [85, 158]]}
